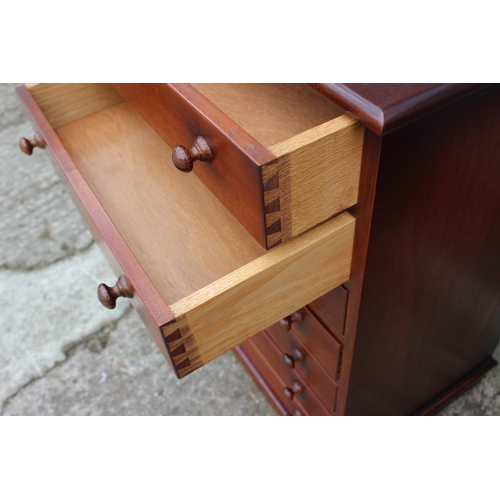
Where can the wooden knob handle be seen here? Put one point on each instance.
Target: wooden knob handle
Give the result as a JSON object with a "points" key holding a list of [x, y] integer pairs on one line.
{"points": [[184, 158], [295, 389], [108, 295], [290, 360], [27, 146], [296, 317]]}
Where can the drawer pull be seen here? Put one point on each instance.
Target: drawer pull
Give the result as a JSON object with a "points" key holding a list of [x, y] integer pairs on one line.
{"points": [[28, 146], [286, 323], [108, 295], [295, 389], [184, 158], [289, 360]]}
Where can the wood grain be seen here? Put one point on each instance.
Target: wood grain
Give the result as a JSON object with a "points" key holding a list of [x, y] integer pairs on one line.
{"points": [[179, 114], [431, 283], [182, 235], [64, 103], [242, 303], [317, 177], [270, 112]]}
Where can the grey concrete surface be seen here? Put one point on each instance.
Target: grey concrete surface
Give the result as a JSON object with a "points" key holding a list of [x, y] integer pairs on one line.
{"points": [[61, 353]]}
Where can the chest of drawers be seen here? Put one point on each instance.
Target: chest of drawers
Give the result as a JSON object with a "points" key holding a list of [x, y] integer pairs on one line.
{"points": [[362, 221]]}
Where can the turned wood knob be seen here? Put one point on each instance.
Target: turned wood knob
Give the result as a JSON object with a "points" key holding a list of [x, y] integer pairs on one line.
{"points": [[27, 146], [286, 323], [108, 295], [184, 158], [295, 389], [289, 360]]}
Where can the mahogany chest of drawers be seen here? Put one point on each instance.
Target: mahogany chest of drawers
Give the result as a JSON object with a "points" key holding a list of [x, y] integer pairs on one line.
{"points": [[354, 226]]}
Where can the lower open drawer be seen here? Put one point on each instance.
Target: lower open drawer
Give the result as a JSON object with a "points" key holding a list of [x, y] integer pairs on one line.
{"points": [[200, 282]]}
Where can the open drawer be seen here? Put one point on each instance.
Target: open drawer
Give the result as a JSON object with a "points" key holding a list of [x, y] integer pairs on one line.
{"points": [[200, 282], [280, 157]]}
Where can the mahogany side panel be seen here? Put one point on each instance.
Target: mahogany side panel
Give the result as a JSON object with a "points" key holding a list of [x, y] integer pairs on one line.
{"points": [[179, 114], [383, 107], [430, 304]]}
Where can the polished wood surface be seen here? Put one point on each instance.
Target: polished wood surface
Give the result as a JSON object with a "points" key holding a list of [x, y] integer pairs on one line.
{"points": [[108, 295], [302, 387], [179, 114], [364, 211], [383, 107], [306, 364], [331, 310], [27, 145], [325, 349], [184, 158], [430, 308]]}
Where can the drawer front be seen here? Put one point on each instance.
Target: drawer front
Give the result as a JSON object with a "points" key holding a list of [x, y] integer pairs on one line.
{"points": [[331, 309], [276, 190], [307, 396], [196, 294], [295, 356], [265, 377], [319, 342]]}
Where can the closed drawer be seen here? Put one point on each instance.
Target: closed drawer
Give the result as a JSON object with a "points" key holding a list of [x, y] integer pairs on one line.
{"points": [[282, 158], [309, 331], [200, 282], [303, 392], [296, 356], [267, 380], [331, 309]]}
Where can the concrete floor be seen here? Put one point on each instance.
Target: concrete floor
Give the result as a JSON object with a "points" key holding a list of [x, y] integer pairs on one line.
{"points": [[61, 353]]}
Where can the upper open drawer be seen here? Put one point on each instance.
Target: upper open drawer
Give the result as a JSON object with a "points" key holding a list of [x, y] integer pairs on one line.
{"points": [[280, 157], [200, 282]]}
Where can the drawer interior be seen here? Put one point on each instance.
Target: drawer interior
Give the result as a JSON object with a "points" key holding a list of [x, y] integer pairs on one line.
{"points": [[178, 230], [201, 282], [271, 112]]}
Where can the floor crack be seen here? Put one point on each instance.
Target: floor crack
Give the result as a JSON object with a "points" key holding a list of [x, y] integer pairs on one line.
{"points": [[95, 342]]}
